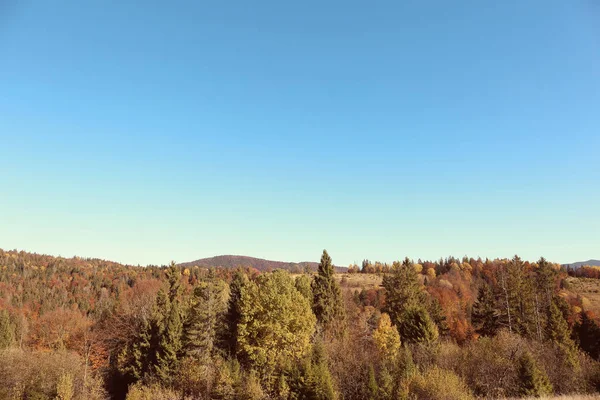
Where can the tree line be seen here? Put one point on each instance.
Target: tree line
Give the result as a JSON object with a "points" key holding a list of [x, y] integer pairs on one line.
{"points": [[452, 329]]}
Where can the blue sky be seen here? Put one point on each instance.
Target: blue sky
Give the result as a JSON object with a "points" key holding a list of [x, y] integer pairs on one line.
{"points": [[148, 131]]}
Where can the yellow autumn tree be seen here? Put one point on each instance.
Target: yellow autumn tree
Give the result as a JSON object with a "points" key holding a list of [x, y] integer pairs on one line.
{"points": [[386, 337]]}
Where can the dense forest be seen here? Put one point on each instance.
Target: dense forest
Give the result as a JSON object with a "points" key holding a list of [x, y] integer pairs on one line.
{"points": [[449, 329]]}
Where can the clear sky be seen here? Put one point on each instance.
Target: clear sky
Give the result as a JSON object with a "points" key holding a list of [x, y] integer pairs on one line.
{"points": [[150, 131]]}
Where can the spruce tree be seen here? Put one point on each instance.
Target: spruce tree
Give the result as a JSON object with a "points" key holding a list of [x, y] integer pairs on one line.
{"points": [[587, 333], [485, 316], [327, 297], [233, 315], [204, 318], [402, 290], [416, 326], [533, 381]]}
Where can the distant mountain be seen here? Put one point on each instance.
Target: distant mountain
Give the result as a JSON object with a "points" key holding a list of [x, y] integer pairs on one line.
{"points": [[575, 265], [260, 264]]}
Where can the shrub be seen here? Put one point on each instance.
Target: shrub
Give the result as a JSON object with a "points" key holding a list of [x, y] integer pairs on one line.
{"points": [[438, 384]]}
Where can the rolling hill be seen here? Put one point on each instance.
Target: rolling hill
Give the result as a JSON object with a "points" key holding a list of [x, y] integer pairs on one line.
{"points": [[579, 264], [232, 261]]}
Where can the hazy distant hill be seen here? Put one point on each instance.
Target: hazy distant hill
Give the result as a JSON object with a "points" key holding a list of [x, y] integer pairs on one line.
{"points": [[575, 265], [229, 261]]}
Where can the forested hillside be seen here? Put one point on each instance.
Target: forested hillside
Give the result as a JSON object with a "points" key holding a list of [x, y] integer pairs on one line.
{"points": [[448, 329]]}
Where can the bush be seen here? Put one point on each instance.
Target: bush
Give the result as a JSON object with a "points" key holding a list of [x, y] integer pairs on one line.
{"points": [[37, 375], [153, 392], [438, 384]]}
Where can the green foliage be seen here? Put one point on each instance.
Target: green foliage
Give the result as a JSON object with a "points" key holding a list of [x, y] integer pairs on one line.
{"points": [[205, 318], [234, 313], [558, 332], [417, 327], [402, 290], [327, 297], [533, 381], [485, 315], [587, 333], [276, 323], [310, 379], [303, 285], [7, 330], [169, 338]]}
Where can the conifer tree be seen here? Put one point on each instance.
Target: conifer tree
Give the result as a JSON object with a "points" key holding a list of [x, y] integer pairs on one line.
{"points": [[557, 329], [417, 327], [233, 315], [169, 329], [533, 381], [485, 316], [402, 290], [327, 297], [204, 319], [587, 333]]}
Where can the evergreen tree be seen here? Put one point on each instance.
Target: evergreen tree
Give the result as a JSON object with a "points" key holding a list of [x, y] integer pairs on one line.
{"points": [[557, 328], [533, 381], [417, 327], [402, 289], [587, 333], [7, 330], [233, 316], [327, 297], [169, 329], [204, 319], [485, 316]]}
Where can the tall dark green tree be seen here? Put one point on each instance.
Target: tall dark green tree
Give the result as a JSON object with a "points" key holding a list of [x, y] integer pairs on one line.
{"points": [[205, 318], [485, 315], [327, 297], [233, 315], [402, 290], [587, 334], [416, 326], [168, 328]]}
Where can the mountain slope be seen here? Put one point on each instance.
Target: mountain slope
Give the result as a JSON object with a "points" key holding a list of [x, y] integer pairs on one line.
{"points": [[232, 261], [575, 265]]}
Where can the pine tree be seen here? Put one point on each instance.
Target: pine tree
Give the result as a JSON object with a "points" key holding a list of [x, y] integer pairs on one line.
{"points": [[417, 327], [204, 319], [233, 315], [557, 329], [533, 381], [402, 290], [485, 316], [168, 329], [557, 332], [327, 297], [587, 333]]}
